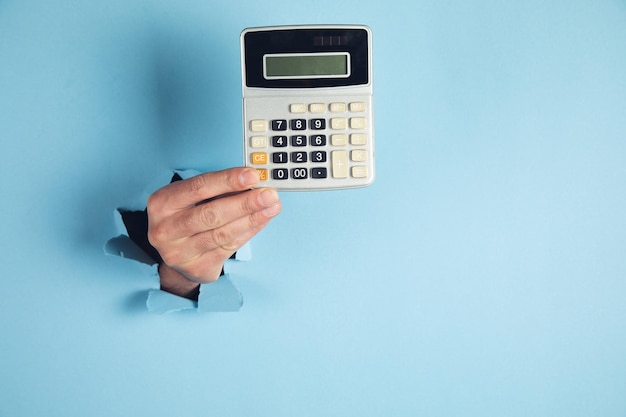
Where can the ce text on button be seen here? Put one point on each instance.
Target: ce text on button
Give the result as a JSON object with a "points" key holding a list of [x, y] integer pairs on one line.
{"points": [[259, 158]]}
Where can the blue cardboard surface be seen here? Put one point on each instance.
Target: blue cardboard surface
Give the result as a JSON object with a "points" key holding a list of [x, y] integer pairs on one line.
{"points": [[483, 274]]}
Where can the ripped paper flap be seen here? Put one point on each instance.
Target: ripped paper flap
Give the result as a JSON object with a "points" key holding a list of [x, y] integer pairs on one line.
{"points": [[221, 295], [124, 246], [161, 302], [218, 296]]}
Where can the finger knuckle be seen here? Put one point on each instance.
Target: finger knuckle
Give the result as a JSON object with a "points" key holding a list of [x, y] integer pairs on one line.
{"points": [[205, 243], [221, 237], [185, 222], [247, 204], [209, 217], [157, 234], [231, 179], [255, 222], [155, 203], [197, 185]]}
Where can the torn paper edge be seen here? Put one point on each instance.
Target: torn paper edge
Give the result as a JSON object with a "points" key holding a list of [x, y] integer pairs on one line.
{"points": [[215, 297], [162, 302]]}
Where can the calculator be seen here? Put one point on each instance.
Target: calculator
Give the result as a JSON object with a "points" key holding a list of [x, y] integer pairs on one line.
{"points": [[307, 106]]}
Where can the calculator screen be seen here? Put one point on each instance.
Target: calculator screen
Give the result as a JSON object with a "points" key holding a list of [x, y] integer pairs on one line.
{"points": [[314, 65]]}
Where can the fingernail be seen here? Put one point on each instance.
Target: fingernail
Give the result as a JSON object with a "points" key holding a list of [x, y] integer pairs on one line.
{"points": [[272, 211], [249, 177], [268, 197]]}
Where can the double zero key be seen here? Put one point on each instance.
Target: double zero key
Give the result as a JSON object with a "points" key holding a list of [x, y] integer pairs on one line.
{"points": [[299, 173]]}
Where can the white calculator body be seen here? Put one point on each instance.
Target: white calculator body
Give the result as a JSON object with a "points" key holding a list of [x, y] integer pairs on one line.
{"points": [[307, 106]]}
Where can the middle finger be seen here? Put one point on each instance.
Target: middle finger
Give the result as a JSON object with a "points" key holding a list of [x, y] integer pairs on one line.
{"points": [[219, 212]]}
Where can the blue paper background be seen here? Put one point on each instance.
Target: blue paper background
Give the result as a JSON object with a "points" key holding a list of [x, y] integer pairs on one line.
{"points": [[483, 274]]}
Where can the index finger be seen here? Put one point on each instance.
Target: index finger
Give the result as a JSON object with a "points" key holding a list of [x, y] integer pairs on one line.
{"points": [[187, 193]]}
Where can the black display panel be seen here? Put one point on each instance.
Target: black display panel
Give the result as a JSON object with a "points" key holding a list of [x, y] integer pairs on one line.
{"points": [[353, 43]]}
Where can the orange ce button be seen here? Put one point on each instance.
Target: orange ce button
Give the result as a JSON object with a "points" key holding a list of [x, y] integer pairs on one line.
{"points": [[259, 158]]}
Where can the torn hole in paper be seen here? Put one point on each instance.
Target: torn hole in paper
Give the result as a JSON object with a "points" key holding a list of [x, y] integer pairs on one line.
{"points": [[132, 243]]}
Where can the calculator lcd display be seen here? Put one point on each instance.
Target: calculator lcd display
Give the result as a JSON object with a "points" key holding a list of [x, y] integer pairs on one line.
{"points": [[293, 66]]}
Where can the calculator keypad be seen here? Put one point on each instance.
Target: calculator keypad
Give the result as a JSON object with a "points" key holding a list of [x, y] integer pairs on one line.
{"points": [[325, 145]]}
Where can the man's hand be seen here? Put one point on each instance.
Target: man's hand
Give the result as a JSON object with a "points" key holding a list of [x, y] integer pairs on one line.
{"points": [[198, 223]]}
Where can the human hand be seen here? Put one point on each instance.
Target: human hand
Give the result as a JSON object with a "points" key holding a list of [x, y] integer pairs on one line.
{"points": [[198, 223]]}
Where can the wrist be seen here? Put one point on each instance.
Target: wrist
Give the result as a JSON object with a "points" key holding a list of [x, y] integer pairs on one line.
{"points": [[176, 283]]}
